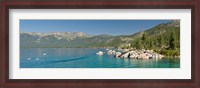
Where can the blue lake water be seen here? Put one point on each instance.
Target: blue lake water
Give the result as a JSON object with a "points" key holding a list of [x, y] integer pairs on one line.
{"points": [[85, 58]]}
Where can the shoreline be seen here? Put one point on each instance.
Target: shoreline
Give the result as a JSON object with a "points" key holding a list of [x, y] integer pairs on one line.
{"points": [[134, 54]]}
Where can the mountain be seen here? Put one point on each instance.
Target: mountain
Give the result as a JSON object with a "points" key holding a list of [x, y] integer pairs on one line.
{"points": [[79, 39], [57, 35]]}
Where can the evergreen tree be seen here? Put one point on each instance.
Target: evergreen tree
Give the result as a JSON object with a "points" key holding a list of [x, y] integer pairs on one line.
{"points": [[138, 44], [151, 44], [144, 37], [173, 40], [161, 41], [144, 40]]}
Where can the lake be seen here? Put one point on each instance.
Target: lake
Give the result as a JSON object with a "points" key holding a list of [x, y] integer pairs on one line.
{"points": [[85, 58]]}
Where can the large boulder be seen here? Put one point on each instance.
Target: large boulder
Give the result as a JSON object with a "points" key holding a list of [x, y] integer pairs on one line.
{"points": [[144, 56], [157, 56], [160, 56], [126, 55], [133, 55], [111, 52], [118, 54], [100, 53], [154, 56]]}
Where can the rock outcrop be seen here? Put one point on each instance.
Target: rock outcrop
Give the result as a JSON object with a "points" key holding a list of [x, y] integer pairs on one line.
{"points": [[135, 54]]}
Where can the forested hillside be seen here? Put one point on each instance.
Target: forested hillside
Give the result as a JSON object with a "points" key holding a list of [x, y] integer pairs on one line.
{"points": [[164, 39]]}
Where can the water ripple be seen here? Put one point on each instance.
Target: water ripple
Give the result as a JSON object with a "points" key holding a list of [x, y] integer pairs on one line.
{"points": [[72, 59]]}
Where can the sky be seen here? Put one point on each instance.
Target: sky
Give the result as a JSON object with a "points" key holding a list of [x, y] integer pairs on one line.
{"points": [[93, 27]]}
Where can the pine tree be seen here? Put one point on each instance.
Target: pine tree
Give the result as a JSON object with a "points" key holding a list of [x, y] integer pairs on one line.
{"points": [[144, 40], [173, 40], [161, 41], [151, 44], [144, 37], [138, 44]]}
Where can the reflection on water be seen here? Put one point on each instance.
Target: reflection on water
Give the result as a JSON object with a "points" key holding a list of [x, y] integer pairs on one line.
{"points": [[86, 58], [99, 60]]}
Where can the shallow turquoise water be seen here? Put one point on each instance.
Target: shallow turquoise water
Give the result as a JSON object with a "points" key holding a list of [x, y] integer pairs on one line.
{"points": [[85, 58]]}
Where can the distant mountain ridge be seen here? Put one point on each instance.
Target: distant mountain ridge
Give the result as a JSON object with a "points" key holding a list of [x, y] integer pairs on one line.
{"points": [[58, 35], [80, 39]]}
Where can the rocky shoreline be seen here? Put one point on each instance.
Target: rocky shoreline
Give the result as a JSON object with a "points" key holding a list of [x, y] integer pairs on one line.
{"points": [[132, 53]]}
